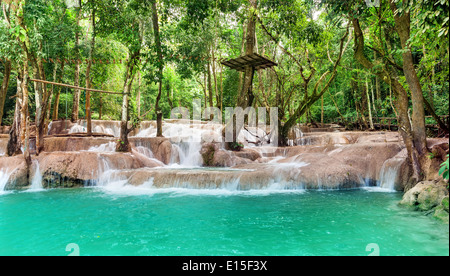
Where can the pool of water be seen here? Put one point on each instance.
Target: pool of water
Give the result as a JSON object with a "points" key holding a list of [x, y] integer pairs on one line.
{"points": [[141, 221]]}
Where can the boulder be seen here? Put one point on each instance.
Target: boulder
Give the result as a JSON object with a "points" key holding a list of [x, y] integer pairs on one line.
{"points": [[73, 144], [15, 168], [76, 169], [425, 195], [224, 158], [208, 151], [160, 147], [248, 153], [3, 144]]}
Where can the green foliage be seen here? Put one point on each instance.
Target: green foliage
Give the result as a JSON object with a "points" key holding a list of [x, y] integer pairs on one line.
{"points": [[235, 146], [444, 171], [193, 31]]}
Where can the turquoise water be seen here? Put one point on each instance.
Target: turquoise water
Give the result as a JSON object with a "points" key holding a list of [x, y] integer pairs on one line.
{"points": [[213, 223]]}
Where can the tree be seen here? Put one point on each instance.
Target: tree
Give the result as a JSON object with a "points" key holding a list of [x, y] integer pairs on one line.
{"points": [[155, 20], [403, 29], [19, 134], [307, 71], [124, 22], [77, 92]]}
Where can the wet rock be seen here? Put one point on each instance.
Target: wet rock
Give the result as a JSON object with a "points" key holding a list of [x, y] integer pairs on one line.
{"points": [[249, 154], [426, 195], [3, 144], [15, 167], [208, 151], [67, 144], [75, 169], [161, 147]]}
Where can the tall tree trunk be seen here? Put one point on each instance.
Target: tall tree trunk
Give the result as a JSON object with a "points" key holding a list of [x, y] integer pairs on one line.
{"points": [[124, 145], [4, 87], [42, 102], [19, 134], [244, 37], [216, 85], [76, 92], [403, 28], [15, 143], [88, 78], [210, 87], [377, 85], [138, 97], [246, 96], [369, 105], [159, 115], [25, 117]]}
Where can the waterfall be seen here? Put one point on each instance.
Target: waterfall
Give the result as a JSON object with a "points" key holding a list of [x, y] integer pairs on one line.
{"points": [[389, 173], [188, 154], [111, 128], [146, 152], [77, 129], [108, 147], [4, 177], [36, 182]]}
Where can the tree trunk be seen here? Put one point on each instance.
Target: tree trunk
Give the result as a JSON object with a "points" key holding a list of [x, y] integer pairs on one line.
{"points": [[4, 87], [246, 96], [88, 78], [138, 97], [369, 105], [19, 134], [402, 26], [210, 88], [123, 144], [15, 143], [402, 99], [159, 117], [216, 85], [25, 117], [76, 92]]}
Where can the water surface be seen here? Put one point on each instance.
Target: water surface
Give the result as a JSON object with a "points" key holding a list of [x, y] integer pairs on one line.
{"points": [[142, 221]]}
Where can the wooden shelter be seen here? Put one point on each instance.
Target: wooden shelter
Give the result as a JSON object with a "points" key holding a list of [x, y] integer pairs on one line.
{"points": [[255, 61]]}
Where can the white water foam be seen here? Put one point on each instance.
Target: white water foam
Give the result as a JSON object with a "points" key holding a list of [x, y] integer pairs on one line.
{"points": [[389, 173], [121, 188], [108, 147], [77, 128], [4, 178], [36, 182]]}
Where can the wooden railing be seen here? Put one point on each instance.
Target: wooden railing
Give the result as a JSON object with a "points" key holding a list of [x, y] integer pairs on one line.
{"points": [[391, 123]]}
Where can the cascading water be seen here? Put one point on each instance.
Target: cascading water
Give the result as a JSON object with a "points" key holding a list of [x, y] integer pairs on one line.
{"points": [[188, 154], [389, 173], [4, 178], [109, 147], [36, 182], [111, 129]]}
